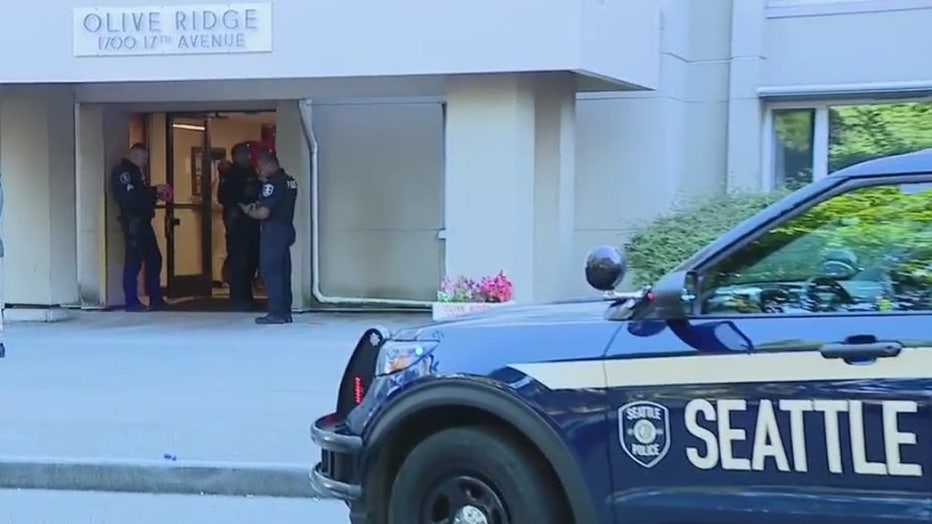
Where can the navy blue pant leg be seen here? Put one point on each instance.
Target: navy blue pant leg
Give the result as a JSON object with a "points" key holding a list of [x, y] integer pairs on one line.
{"points": [[243, 247], [153, 260], [132, 263], [271, 264], [286, 280], [141, 249], [153, 276]]}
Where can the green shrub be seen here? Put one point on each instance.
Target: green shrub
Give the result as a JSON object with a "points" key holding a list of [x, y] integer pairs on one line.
{"points": [[657, 246]]}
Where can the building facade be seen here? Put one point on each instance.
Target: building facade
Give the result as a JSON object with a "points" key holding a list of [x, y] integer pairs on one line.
{"points": [[433, 139]]}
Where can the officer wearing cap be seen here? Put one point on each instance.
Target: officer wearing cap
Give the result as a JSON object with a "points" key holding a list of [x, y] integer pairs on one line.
{"points": [[136, 199], [275, 210], [238, 185]]}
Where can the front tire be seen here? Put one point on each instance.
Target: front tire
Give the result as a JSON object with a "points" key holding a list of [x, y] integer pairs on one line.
{"points": [[474, 476]]}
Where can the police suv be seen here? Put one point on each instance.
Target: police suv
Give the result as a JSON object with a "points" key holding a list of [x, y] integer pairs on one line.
{"points": [[782, 374]]}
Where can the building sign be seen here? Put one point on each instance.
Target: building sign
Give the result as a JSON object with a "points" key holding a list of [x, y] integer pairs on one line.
{"points": [[173, 30]]}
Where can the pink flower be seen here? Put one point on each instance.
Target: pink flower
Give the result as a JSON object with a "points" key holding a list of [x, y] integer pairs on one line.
{"points": [[495, 288]]}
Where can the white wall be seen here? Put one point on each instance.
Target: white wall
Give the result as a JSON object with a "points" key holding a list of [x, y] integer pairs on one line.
{"points": [[116, 141], [849, 48], [352, 38], [621, 40], [700, 132], [90, 193], [381, 185], [294, 153], [637, 153], [37, 162]]}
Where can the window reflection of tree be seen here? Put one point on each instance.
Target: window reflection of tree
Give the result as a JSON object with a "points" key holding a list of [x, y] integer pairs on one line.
{"points": [[887, 228], [865, 132]]}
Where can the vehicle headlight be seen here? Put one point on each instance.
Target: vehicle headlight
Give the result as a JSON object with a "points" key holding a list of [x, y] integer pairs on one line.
{"points": [[398, 356]]}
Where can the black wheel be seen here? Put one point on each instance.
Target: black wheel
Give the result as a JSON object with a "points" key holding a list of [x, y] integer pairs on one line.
{"points": [[472, 476]]}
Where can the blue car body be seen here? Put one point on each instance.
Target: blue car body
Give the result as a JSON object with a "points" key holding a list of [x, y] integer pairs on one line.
{"points": [[713, 419]]}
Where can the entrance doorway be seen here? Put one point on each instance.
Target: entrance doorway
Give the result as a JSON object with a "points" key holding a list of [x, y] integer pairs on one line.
{"points": [[192, 235]]}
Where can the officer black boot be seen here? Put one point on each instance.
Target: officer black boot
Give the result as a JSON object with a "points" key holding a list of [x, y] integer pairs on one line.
{"points": [[158, 305], [244, 306], [272, 319]]}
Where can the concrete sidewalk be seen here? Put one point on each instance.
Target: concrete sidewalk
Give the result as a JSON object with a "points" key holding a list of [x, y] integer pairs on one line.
{"points": [[211, 387]]}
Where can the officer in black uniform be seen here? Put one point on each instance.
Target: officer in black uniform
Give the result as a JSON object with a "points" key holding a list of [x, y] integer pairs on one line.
{"points": [[275, 209], [240, 185], [136, 199]]}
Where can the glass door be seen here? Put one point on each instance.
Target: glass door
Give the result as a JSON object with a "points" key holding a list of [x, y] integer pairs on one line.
{"points": [[191, 165]]}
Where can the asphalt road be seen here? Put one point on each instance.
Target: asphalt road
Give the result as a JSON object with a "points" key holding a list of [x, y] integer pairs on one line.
{"points": [[211, 387]]}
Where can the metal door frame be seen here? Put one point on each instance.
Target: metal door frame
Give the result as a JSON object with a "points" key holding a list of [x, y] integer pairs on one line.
{"points": [[205, 208]]}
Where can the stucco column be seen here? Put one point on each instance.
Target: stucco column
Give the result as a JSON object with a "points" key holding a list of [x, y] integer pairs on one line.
{"points": [[295, 156], [745, 116], [37, 161], [510, 143], [555, 188], [90, 194], [101, 139]]}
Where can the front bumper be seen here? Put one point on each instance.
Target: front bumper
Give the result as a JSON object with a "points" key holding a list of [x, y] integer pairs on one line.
{"points": [[336, 475]]}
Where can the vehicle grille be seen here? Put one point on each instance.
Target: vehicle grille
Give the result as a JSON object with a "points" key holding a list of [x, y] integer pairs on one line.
{"points": [[360, 370]]}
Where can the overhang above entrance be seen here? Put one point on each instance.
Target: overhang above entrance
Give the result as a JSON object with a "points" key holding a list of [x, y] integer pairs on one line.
{"points": [[614, 41]]}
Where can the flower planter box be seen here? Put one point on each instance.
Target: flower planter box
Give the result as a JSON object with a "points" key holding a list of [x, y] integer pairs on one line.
{"points": [[447, 310]]}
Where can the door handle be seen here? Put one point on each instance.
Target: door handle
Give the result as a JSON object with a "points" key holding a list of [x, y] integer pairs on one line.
{"points": [[870, 350]]}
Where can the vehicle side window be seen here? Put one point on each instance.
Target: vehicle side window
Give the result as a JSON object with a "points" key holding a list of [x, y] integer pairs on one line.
{"points": [[869, 249]]}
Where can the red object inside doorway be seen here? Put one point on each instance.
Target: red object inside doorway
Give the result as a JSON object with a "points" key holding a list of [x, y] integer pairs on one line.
{"points": [[265, 143], [268, 136]]}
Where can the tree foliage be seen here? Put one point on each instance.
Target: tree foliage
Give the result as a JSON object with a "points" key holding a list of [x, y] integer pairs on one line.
{"points": [[864, 132], [885, 228]]}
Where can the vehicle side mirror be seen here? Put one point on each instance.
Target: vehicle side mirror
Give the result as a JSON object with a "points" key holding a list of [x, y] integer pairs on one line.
{"points": [[605, 267], [672, 295]]}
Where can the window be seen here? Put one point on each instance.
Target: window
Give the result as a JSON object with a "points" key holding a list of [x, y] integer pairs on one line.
{"points": [[788, 8], [869, 249], [810, 142], [792, 147], [863, 132]]}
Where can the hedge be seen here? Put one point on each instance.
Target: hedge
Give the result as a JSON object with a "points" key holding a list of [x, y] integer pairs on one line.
{"points": [[657, 246]]}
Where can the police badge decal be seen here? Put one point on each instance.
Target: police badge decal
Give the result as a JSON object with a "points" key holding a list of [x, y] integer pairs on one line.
{"points": [[644, 431], [267, 190]]}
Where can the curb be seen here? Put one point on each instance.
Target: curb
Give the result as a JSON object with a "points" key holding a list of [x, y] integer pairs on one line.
{"points": [[156, 477], [35, 315]]}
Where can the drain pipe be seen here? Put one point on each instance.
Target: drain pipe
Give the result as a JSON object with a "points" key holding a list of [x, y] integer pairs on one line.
{"points": [[307, 119], [2, 274]]}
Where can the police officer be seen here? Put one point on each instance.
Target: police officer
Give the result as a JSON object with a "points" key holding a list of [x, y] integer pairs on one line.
{"points": [[275, 209], [238, 185], [136, 199]]}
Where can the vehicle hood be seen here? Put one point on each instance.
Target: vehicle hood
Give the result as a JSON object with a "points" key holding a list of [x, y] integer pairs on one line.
{"points": [[482, 342], [567, 312]]}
